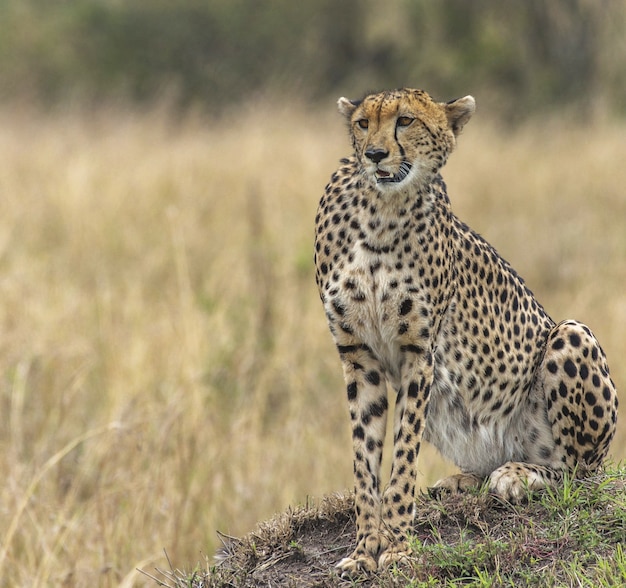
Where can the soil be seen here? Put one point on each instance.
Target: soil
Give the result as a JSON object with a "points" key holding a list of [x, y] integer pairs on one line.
{"points": [[457, 537]]}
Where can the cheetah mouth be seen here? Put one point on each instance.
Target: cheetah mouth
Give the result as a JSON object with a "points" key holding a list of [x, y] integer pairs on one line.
{"points": [[384, 177]]}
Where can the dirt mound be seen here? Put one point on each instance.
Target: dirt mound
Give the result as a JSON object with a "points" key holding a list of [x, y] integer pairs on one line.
{"points": [[557, 539]]}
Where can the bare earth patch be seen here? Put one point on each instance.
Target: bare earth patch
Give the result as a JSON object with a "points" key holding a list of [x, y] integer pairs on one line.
{"points": [[570, 537]]}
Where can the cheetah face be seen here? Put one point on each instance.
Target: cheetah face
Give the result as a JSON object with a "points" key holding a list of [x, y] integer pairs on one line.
{"points": [[402, 137]]}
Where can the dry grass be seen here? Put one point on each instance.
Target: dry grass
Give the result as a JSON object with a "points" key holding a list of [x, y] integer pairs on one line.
{"points": [[166, 368]]}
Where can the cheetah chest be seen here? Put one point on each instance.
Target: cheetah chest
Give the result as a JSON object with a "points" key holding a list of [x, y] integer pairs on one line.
{"points": [[373, 304]]}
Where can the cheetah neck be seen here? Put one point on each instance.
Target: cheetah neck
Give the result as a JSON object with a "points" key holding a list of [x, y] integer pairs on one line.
{"points": [[385, 216]]}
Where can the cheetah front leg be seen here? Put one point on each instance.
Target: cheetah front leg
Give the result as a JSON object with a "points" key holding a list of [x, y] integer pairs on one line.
{"points": [[382, 536], [409, 424], [367, 401]]}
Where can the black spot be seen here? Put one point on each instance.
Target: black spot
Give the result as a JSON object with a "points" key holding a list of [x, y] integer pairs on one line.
{"points": [[352, 348], [373, 377], [406, 306], [570, 368], [352, 391], [552, 367], [545, 452], [358, 432], [598, 411], [339, 308], [346, 328], [558, 344], [413, 390], [378, 409], [583, 372], [590, 398], [412, 348], [574, 339], [606, 393]]}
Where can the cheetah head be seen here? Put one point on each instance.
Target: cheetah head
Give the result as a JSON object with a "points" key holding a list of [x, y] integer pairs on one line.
{"points": [[404, 137]]}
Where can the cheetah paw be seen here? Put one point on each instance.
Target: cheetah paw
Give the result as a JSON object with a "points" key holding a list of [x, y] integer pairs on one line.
{"points": [[515, 482], [455, 484], [363, 559], [393, 555], [353, 566]]}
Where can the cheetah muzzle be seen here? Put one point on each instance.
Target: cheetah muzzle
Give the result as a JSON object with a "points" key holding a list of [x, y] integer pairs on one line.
{"points": [[419, 303], [384, 177]]}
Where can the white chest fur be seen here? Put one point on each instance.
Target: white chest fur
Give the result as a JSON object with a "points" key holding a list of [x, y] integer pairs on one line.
{"points": [[371, 304]]}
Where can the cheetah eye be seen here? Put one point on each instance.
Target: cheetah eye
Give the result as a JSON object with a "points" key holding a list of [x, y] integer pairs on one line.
{"points": [[404, 121], [363, 123]]}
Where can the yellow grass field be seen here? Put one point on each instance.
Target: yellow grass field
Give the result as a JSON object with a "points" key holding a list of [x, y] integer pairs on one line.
{"points": [[165, 365]]}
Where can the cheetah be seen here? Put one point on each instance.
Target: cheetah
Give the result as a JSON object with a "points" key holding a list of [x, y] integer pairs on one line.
{"points": [[420, 304]]}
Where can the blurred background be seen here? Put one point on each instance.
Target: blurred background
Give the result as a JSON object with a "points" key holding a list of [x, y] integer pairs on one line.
{"points": [[521, 58], [165, 365]]}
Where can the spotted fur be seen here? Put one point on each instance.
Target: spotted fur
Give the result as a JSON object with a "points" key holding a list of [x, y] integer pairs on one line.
{"points": [[418, 301]]}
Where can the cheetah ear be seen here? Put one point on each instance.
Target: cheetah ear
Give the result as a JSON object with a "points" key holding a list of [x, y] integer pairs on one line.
{"points": [[459, 112], [347, 107]]}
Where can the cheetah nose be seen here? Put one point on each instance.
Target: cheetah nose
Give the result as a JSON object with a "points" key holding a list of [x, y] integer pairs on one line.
{"points": [[376, 155]]}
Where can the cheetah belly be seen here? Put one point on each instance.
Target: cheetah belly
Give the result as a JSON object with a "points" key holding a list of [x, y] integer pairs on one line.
{"points": [[476, 442]]}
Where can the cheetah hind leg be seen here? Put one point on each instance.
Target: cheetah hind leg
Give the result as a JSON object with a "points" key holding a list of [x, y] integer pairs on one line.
{"points": [[581, 409], [580, 396], [455, 484]]}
